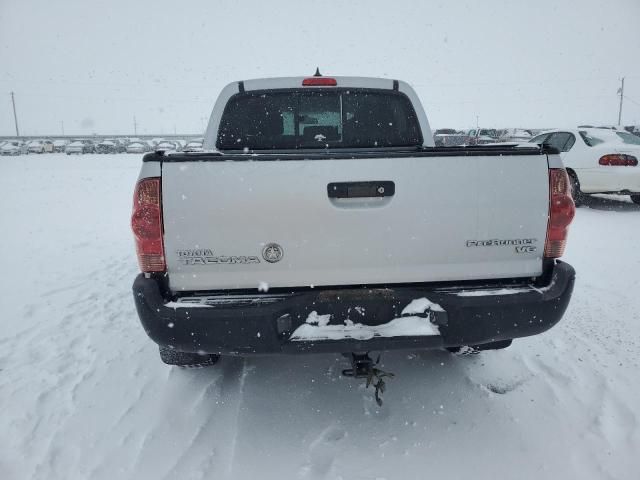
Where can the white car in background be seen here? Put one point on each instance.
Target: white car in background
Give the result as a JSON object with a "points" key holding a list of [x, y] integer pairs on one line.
{"points": [[138, 147], [193, 146], [597, 160], [41, 146], [60, 145], [167, 146], [515, 135], [13, 148], [80, 147]]}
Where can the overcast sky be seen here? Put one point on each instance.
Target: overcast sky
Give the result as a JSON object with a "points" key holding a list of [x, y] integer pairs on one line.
{"points": [[95, 65]]}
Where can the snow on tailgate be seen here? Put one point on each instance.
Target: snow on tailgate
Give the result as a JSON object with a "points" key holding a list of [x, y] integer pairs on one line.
{"points": [[317, 326]]}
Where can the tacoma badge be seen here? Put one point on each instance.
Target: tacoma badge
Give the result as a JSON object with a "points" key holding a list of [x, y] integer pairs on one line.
{"points": [[205, 256]]}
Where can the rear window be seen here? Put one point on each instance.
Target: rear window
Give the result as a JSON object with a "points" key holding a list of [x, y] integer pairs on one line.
{"points": [[590, 139], [629, 138], [539, 139], [296, 119]]}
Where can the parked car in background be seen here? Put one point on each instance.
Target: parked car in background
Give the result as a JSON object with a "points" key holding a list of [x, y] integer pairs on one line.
{"points": [[449, 139], [106, 146], [79, 147], [138, 147], [13, 148], [515, 135], [47, 146], [121, 143], [29, 143], [440, 136], [41, 146], [597, 160], [109, 145], [76, 147], [166, 146], [60, 145], [537, 131], [481, 136], [445, 131], [193, 146]]}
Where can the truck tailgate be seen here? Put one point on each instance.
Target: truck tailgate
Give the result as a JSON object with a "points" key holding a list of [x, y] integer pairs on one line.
{"points": [[276, 223]]}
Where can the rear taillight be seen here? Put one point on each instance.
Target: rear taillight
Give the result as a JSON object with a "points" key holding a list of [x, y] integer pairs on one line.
{"points": [[146, 223], [618, 160], [561, 212], [319, 82]]}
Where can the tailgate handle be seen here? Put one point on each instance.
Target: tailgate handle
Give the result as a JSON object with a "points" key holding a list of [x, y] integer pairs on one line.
{"points": [[382, 188]]}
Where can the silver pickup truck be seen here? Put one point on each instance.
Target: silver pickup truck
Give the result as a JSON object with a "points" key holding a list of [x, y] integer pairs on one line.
{"points": [[320, 217]]}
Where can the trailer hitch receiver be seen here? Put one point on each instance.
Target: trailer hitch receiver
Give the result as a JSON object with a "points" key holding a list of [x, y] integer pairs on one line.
{"points": [[363, 366]]}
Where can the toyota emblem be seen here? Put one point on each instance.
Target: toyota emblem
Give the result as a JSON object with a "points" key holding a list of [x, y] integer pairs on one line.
{"points": [[272, 252]]}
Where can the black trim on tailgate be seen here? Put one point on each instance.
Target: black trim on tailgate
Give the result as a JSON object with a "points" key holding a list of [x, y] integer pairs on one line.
{"points": [[345, 154]]}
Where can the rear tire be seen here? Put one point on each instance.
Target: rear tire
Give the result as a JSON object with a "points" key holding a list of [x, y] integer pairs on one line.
{"points": [[576, 193], [635, 199], [187, 359], [473, 349]]}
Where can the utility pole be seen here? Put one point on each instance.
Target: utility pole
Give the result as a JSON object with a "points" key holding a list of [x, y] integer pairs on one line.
{"points": [[621, 92], [62, 125], [135, 126], [477, 121], [15, 116]]}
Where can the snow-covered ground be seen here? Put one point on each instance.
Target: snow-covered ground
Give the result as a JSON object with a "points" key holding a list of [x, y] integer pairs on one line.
{"points": [[83, 394]]}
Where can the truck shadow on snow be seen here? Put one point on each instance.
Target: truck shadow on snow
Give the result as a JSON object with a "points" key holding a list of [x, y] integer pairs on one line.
{"points": [[617, 203], [427, 385]]}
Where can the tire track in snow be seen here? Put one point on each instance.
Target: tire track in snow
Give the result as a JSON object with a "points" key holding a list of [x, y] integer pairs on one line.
{"points": [[199, 425], [235, 389], [188, 457], [322, 452]]}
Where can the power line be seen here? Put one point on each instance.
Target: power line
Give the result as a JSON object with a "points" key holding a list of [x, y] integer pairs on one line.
{"points": [[631, 100]]}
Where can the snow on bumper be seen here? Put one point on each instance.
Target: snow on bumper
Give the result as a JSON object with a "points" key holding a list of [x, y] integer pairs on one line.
{"points": [[317, 326], [360, 318]]}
